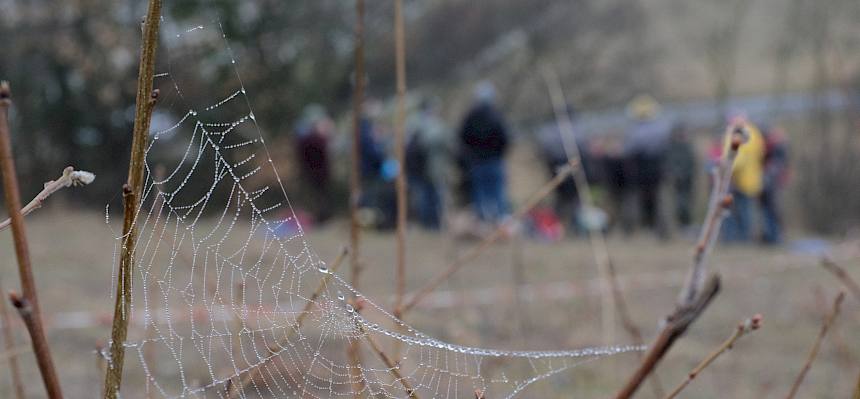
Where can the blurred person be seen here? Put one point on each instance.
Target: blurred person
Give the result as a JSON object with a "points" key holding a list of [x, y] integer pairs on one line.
{"points": [[617, 177], [377, 171], [427, 159], [554, 155], [747, 181], [483, 145], [681, 169], [645, 144], [776, 174], [313, 135]]}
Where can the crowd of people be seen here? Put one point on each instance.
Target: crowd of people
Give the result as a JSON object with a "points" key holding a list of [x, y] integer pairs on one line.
{"points": [[463, 167]]}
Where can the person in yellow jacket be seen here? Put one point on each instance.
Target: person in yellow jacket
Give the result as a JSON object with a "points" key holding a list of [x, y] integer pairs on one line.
{"points": [[747, 182]]}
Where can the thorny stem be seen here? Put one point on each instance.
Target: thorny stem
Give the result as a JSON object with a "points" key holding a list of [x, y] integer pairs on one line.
{"points": [[70, 177], [813, 352], [698, 290], [743, 328], [30, 311], [232, 390], [10, 351], [498, 233], [145, 102], [353, 352]]}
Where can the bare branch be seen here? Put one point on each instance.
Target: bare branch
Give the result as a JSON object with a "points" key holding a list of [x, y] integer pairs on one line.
{"points": [[144, 105], [745, 327], [813, 352], [842, 275], [353, 352], [10, 351], [70, 177], [698, 290], [22, 253]]}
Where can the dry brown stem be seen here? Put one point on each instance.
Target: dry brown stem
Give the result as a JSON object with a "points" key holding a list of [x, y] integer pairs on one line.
{"points": [[30, 310], [743, 328], [813, 352], [232, 390], [842, 275], [145, 102], [353, 352], [10, 351], [400, 149], [488, 241], [698, 290], [70, 177]]}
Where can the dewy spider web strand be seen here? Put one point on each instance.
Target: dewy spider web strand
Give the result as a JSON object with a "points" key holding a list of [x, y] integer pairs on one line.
{"points": [[220, 287]]}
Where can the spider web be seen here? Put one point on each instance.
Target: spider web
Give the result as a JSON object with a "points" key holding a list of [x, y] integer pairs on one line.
{"points": [[230, 300]]}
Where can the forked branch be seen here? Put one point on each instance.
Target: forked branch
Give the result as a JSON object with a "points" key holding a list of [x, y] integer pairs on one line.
{"points": [[813, 352], [70, 177], [698, 291], [745, 327]]}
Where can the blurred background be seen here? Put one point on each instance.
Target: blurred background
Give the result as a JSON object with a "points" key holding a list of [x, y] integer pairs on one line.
{"points": [[650, 86]]}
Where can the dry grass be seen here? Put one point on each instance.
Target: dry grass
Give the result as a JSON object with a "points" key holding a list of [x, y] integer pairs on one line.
{"points": [[73, 262]]}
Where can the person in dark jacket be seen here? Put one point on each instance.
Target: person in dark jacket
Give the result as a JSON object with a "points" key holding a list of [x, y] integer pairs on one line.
{"points": [[681, 167], [313, 134], [645, 144], [775, 178], [484, 143]]}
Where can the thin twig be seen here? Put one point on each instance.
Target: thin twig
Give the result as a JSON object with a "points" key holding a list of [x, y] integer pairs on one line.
{"points": [[743, 328], [598, 241], [32, 313], [10, 351], [232, 390], [399, 146], [842, 275], [597, 238], [144, 105], [70, 177], [393, 368], [353, 352], [498, 233], [813, 352], [698, 290]]}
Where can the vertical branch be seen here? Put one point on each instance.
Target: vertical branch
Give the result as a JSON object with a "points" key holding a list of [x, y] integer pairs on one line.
{"points": [[145, 102], [399, 134], [813, 352], [29, 308], [353, 352], [9, 346]]}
